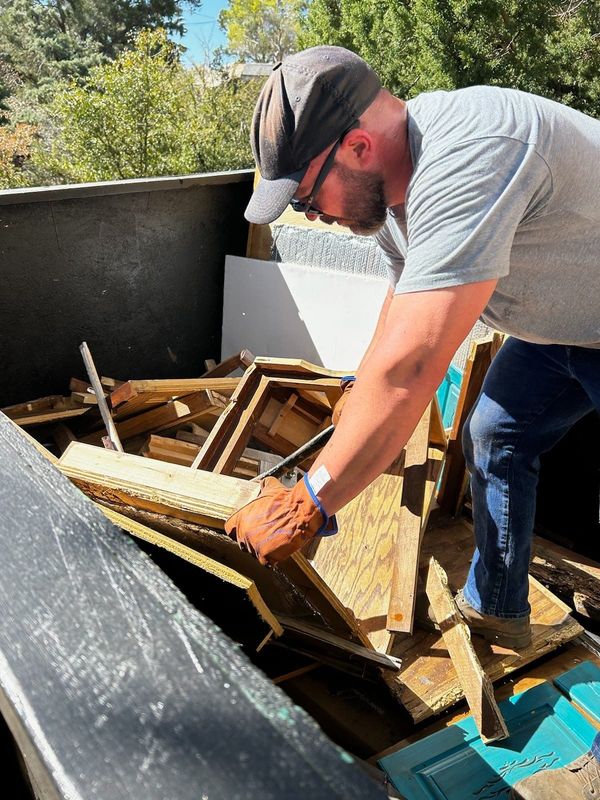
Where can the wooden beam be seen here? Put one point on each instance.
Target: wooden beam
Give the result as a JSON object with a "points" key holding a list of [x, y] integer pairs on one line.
{"points": [[135, 396], [476, 685], [142, 482], [240, 360], [226, 424]]}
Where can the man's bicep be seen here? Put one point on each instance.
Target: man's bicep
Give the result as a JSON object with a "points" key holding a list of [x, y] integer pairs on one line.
{"points": [[431, 325]]}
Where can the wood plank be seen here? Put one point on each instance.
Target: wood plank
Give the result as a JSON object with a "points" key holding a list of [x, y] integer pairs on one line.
{"points": [[221, 433], [572, 577], [48, 403], [428, 683], [289, 367], [199, 560], [454, 478], [405, 570], [314, 632], [135, 396], [357, 564], [175, 451], [169, 489], [240, 360], [476, 685], [43, 418]]}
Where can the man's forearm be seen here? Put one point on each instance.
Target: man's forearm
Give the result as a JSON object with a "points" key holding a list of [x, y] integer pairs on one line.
{"points": [[379, 418]]}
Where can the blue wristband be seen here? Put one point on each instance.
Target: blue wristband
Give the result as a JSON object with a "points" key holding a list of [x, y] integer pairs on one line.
{"points": [[329, 526]]}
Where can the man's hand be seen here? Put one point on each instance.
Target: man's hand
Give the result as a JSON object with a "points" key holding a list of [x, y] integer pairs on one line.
{"points": [[346, 385], [279, 521]]}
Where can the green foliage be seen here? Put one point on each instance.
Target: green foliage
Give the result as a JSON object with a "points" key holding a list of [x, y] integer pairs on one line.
{"points": [[224, 116], [549, 47], [263, 31], [45, 41], [132, 118], [144, 115]]}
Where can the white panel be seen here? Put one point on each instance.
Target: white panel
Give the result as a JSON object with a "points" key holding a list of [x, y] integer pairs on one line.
{"points": [[296, 311]]}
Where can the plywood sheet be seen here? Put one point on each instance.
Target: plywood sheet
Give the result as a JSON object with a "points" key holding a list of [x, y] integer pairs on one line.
{"points": [[427, 683]]}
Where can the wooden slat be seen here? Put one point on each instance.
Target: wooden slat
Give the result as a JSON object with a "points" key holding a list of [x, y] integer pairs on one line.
{"points": [[134, 396], [169, 489], [240, 360], [165, 417], [314, 632], [176, 451], [222, 431], [410, 527], [476, 685], [288, 367]]}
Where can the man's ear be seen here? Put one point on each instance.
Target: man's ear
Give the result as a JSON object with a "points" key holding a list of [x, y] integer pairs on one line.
{"points": [[357, 149]]}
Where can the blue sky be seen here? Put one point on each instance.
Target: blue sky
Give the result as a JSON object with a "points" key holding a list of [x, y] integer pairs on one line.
{"points": [[203, 32]]}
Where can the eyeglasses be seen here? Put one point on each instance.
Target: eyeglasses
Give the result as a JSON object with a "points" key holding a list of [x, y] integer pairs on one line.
{"points": [[306, 206]]}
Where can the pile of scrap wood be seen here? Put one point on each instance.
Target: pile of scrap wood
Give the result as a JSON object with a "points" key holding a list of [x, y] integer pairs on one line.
{"points": [[192, 448]]}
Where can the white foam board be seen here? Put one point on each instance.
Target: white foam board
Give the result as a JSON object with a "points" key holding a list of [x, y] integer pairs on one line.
{"points": [[296, 311]]}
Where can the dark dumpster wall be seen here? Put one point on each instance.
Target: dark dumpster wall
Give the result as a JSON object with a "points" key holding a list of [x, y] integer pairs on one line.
{"points": [[135, 268]]}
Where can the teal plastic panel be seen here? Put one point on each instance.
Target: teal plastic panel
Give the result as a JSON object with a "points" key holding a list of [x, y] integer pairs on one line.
{"points": [[546, 731], [582, 685], [447, 394]]}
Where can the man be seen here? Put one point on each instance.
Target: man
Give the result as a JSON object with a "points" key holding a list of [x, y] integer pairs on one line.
{"points": [[485, 202]]}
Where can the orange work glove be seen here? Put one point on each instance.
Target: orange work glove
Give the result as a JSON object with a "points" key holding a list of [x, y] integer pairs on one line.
{"points": [[279, 521], [346, 385]]}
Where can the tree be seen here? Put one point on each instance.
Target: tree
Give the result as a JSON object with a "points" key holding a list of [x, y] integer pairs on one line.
{"points": [[145, 115], [550, 47], [15, 149], [262, 31], [45, 41], [133, 117]]}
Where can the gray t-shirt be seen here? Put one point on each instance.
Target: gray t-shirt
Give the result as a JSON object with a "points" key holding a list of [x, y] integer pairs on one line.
{"points": [[505, 185]]}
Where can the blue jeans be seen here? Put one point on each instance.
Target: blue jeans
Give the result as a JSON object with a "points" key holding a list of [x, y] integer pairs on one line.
{"points": [[531, 396]]}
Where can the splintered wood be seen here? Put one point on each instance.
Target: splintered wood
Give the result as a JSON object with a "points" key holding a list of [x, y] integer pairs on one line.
{"points": [[194, 445]]}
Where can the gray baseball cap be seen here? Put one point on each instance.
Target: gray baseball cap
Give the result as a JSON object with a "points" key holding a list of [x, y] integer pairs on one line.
{"points": [[309, 101]]}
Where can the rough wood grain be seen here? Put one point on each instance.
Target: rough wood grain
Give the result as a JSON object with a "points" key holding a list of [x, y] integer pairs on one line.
{"points": [[405, 570], [475, 684], [572, 577], [357, 564], [428, 683], [168, 488]]}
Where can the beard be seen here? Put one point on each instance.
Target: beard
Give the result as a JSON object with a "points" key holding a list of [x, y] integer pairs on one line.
{"points": [[367, 211]]}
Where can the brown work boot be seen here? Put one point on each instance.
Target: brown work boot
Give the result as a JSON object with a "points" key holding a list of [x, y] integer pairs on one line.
{"points": [[579, 780], [514, 634]]}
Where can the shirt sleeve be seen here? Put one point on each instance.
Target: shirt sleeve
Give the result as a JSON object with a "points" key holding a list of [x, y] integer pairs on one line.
{"points": [[392, 243], [464, 204]]}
